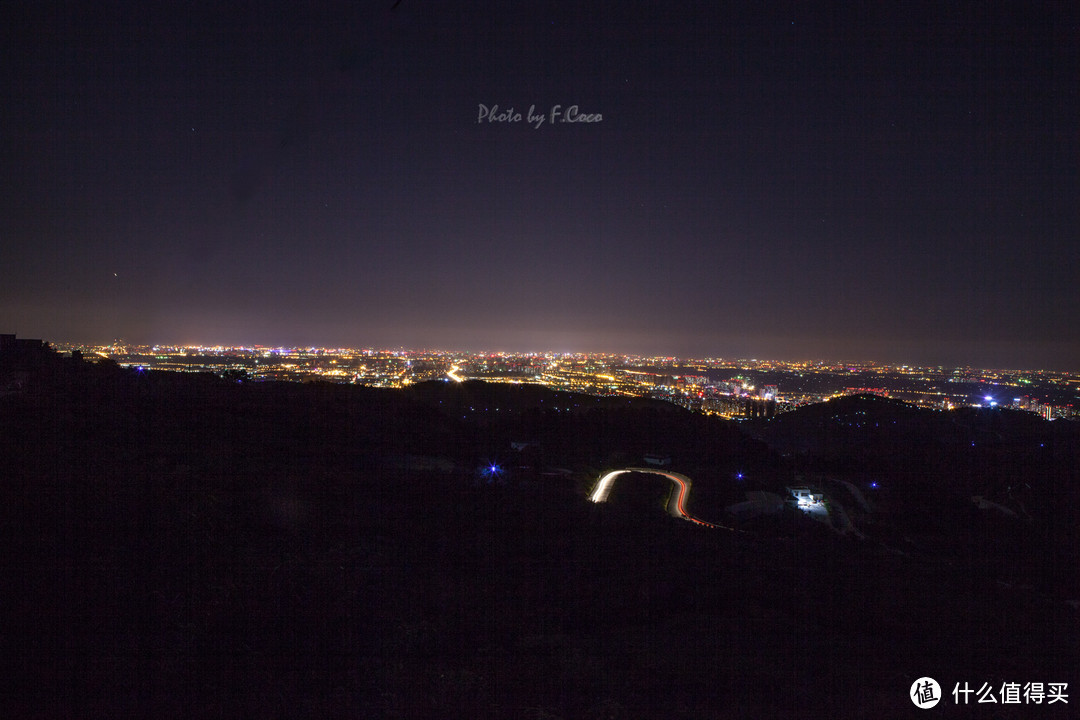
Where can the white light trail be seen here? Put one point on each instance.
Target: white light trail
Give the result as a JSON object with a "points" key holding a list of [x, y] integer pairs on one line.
{"points": [[677, 508]]}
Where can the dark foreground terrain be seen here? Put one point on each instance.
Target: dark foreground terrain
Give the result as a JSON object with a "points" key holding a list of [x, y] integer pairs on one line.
{"points": [[179, 546]]}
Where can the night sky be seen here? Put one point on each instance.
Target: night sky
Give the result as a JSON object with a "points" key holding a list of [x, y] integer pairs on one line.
{"points": [[895, 182]]}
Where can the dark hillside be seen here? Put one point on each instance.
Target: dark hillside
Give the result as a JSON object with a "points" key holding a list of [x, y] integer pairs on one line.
{"points": [[182, 546], [969, 450], [992, 485]]}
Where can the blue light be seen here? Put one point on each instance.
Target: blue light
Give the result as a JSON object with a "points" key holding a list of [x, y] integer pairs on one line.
{"points": [[874, 485]]}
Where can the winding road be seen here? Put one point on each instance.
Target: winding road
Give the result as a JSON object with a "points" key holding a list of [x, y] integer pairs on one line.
{"points": [[677, 503]]}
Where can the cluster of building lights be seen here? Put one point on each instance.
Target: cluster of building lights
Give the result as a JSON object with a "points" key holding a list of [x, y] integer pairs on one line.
{"points": [[732, 388]]}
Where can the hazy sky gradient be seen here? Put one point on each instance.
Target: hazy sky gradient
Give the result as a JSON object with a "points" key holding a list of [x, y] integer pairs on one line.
{"points": [[892, 182]]}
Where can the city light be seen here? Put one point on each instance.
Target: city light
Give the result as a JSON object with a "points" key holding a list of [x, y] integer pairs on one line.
{"points": [[729, 388]]}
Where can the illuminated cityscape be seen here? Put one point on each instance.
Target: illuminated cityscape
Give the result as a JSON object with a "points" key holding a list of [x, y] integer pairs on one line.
{"points": [[560, 360], [728, 388]]}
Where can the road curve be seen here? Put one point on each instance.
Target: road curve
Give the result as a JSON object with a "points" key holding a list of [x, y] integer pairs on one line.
{"points": [[677, 503]]}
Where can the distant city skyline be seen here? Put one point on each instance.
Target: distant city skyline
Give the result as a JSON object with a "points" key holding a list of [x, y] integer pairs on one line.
{"points": [[916, 359], [712, 385], [834, 361]]}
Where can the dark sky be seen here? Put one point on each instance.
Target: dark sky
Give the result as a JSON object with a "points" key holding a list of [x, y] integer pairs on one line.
{"points": [[881, 181]]}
